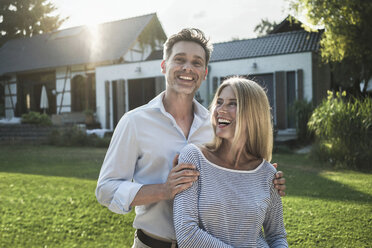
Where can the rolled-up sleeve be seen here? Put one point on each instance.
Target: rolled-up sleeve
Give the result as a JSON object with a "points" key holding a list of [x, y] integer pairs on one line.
{"points": [[115, 187]]}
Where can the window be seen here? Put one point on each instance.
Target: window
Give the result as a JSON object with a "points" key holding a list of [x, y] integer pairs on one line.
{"points": [[83, 93]]}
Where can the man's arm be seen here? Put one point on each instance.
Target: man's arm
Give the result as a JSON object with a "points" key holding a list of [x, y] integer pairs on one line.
{"points": [[180, 178], [115, 187]]}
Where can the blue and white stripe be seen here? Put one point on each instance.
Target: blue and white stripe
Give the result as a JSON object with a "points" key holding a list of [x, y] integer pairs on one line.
{"points": [[228, 208]]}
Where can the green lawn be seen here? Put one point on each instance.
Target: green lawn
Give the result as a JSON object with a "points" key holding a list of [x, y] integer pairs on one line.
{"points": [[47, 200]]}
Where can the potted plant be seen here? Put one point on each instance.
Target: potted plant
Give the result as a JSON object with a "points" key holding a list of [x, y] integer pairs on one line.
{"points": [[89, 117]]}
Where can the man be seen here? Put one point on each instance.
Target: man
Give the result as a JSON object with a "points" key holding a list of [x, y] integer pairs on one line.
{"points": [[138, 168]]}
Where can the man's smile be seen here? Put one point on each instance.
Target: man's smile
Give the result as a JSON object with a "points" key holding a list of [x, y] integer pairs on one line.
{"points": [[186, 78]]}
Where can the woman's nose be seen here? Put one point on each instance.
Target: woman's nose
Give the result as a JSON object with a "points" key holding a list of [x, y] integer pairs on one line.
{"points": [[221, 108]]}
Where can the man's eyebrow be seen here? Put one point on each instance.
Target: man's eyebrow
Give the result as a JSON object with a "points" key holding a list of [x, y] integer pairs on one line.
{"points": [[184, 54], [179, 54], [198, 57]]}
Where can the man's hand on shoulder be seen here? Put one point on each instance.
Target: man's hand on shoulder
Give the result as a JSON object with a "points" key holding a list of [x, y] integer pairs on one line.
{"points": [[181, 177], [279, 181]]}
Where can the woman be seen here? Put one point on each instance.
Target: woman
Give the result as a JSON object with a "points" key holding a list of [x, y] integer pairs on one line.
{"points": [[234, 196]]}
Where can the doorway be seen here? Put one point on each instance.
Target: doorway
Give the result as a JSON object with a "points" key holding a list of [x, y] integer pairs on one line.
{"points": [[141, 91], [29, 93]]}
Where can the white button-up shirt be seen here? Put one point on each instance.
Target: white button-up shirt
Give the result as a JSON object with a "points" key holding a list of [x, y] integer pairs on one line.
{"points": [[141, 152]]}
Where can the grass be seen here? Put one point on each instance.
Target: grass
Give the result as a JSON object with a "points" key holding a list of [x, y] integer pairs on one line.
{"points": [[47, 200], [326, 207]]}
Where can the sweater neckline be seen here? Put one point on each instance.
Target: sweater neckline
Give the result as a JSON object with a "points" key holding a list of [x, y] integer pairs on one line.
{"points": [[227, 169]]}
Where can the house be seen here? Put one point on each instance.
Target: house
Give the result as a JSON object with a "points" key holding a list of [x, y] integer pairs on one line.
{"points": [[65, 62], [286, 62], [125, 72]]}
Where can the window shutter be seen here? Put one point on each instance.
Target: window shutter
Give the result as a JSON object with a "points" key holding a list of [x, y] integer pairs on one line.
{"points": [[300, 84], [281, 99]]}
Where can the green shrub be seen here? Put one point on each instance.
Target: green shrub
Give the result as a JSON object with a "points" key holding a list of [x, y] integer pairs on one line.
{"points": [[302, 110], [343, 128], [36, 118], [75, 136]]}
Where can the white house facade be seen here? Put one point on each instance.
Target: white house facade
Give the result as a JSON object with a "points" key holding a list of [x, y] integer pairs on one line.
{"points": [[116, 68], [65, 63], [285, 64]]}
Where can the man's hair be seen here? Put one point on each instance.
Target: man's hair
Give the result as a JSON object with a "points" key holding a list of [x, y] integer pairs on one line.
{"points": [[189, 34], [253, 130]]}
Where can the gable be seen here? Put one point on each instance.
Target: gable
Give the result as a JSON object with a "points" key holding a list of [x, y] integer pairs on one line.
{"points": [[106, 43], [287, 25]]}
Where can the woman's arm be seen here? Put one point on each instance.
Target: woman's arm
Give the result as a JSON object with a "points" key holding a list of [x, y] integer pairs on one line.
{"points": [[273, 225], [186, 218]]}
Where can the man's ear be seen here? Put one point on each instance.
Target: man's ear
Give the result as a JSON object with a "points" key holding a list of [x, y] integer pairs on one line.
{"points": [[206, 73], [162, 65]]}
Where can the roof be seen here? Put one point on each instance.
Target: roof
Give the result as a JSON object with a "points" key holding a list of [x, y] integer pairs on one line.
{"points": [[269, 45], [288, 24], [155, 55], [73, 46]]}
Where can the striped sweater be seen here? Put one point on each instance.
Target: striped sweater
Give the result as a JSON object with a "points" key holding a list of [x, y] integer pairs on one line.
{"points": [[228, 208]]}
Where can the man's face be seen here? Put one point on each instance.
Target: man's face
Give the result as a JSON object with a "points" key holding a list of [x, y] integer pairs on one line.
{"points": [[185, 68]]}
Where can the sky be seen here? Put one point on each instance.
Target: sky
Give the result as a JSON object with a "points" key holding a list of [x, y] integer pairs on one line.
{"points": [[221, 20]]}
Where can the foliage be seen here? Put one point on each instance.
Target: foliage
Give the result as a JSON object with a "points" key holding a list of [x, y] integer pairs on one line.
{"points": [[152, 35], [75, 136], [343, 128], [47, 196], [89, 112], [264, 27], [36, 118], [302, 110], [347, 33], [25, 18], [346, 76]]}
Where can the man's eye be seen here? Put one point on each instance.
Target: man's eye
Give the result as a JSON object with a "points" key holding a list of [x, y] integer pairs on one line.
{"points": [[179, 60], [197, 63]]}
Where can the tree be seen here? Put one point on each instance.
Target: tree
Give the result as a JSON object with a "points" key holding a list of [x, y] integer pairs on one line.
{"points": [[264, 27], [25, 18], [346, 41]]}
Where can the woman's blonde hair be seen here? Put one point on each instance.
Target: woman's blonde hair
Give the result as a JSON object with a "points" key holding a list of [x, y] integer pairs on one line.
{"points": [[253, 130]]}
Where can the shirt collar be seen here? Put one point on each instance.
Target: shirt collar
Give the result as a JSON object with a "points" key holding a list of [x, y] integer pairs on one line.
{"points": [[199, 110]]}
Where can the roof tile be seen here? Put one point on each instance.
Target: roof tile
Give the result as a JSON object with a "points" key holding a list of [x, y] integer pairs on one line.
{"points": [[273, 44]]}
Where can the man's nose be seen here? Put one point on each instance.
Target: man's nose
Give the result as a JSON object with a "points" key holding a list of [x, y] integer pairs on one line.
{"points": [[187, 67]]}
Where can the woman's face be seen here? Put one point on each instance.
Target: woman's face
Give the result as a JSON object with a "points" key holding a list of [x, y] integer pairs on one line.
{"points": [[225, 114]]}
